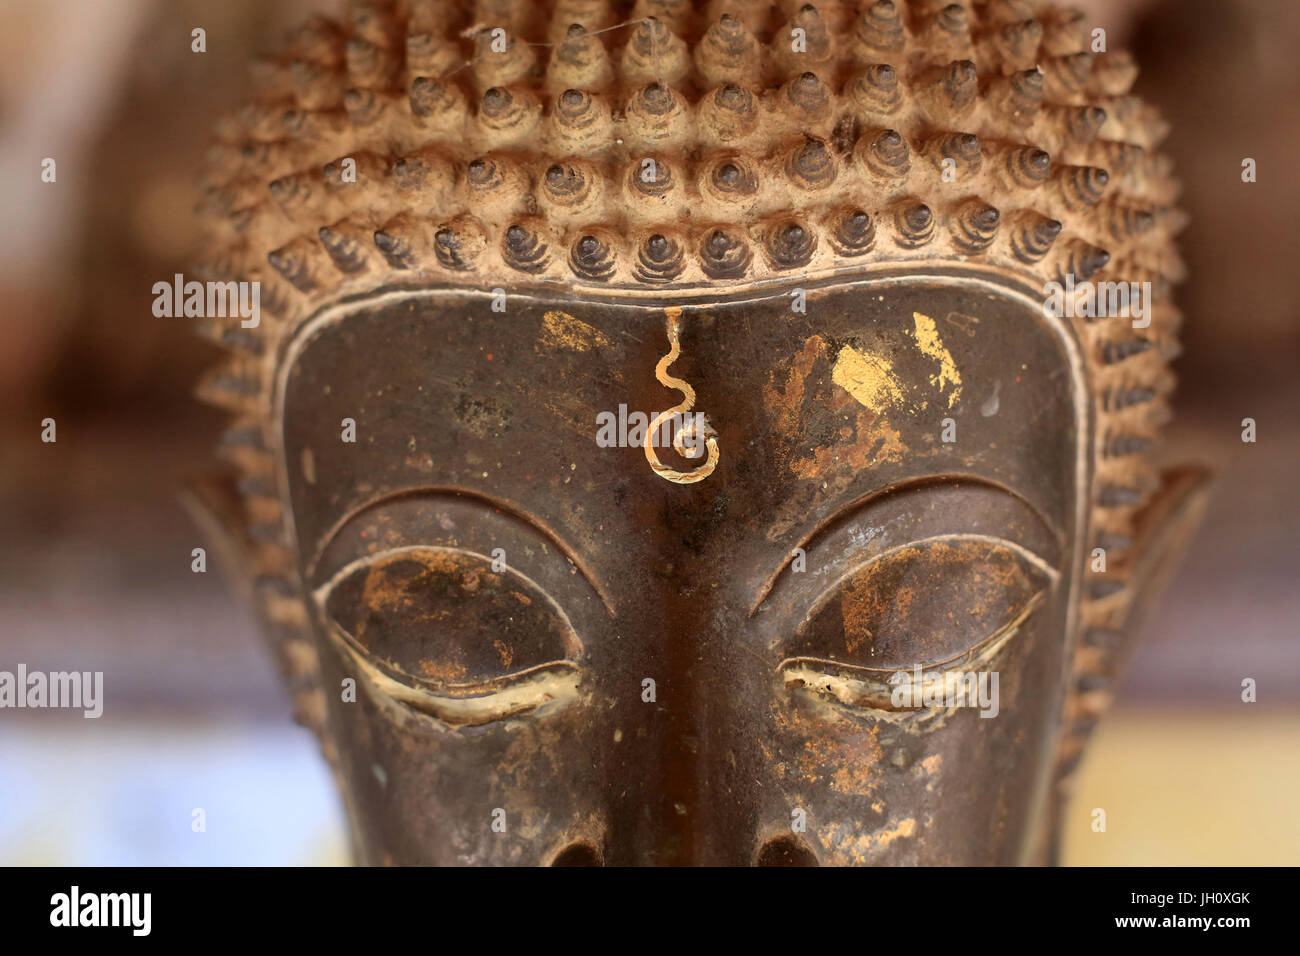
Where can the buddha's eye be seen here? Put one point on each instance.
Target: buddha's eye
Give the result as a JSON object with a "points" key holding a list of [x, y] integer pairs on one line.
{"points": [[440, 630], [923, 604]]}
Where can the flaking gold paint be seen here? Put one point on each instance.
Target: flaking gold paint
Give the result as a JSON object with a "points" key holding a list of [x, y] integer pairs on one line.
{"points": [[563, 331], [868, 378], [927, 339]]}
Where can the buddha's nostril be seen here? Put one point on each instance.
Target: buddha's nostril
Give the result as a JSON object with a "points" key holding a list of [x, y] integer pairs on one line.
{"points": [[578, 854], [786, 851]]}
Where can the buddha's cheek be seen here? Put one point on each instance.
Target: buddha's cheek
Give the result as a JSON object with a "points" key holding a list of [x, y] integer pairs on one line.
{"points": [[506, 793], [933, 786]]}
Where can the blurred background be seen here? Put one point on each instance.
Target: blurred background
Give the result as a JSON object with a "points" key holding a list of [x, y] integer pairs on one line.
{"points": [[95, 549]]}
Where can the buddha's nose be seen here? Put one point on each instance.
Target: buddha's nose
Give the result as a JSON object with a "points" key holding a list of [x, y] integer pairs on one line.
{"points": [[786, 850], [578, 853]]}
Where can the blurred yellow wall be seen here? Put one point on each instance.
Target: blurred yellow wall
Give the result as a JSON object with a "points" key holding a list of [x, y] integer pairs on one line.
{"points": [[1190, 788]]}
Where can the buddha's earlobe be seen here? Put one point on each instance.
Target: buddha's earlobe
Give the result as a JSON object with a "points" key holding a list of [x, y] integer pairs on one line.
{"points": [[214, 504], [1161, 533], [1162, 530], [262, 577], [1113, 620]]}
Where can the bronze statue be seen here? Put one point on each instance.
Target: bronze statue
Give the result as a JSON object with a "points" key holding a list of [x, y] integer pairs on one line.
{"points": [[832, 279]]}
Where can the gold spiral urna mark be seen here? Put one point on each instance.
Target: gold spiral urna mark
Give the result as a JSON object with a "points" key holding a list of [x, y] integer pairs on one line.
{"points": [[674, 315]]}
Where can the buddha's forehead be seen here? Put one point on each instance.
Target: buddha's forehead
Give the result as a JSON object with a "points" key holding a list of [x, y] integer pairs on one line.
{"points": [[820, 397]]}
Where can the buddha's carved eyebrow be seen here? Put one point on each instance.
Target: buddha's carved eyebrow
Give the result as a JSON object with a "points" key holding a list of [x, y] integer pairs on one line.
{"points": [[462, 518], [917, 509]]}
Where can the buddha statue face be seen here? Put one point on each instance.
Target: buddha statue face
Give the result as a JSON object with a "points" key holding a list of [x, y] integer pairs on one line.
{"points": [[805, 537], [648, 671]]}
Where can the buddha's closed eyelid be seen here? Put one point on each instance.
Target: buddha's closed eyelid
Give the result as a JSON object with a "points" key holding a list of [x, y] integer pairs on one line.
{"points": [[922, 604], [451, 634], [899, 694], [471, 705], [1035, 561]]}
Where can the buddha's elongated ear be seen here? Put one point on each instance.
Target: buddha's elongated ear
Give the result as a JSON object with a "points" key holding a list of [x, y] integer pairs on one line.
{"points": [[264, 577], [1161, 533], [1112, 624], [214, 504]]}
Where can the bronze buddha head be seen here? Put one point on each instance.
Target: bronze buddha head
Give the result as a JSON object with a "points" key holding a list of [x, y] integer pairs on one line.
{"points": [[661, 445]]}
